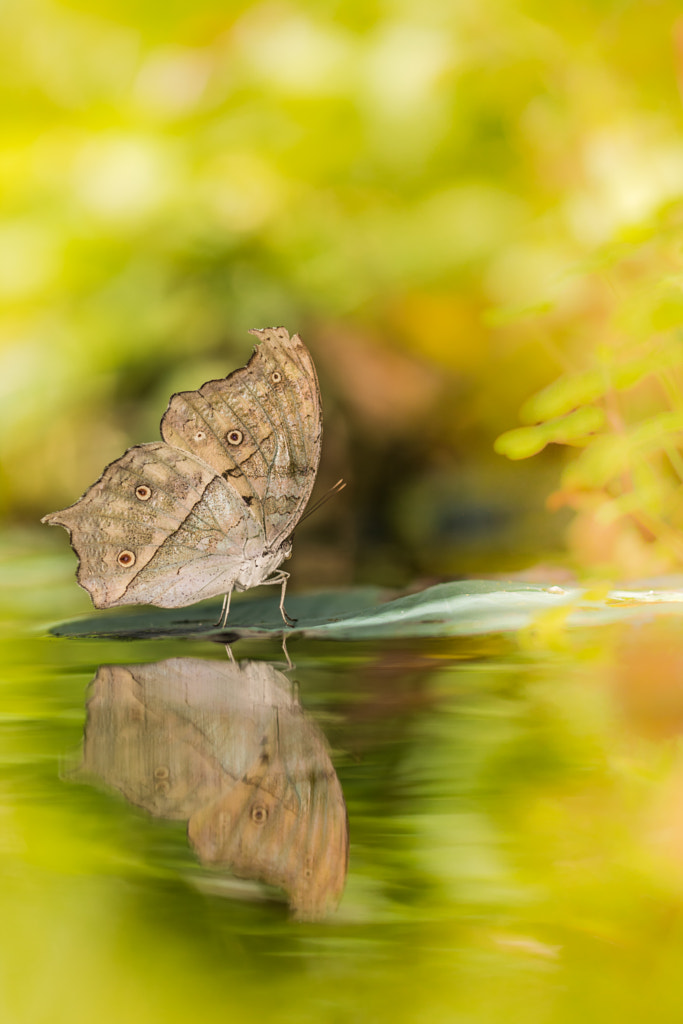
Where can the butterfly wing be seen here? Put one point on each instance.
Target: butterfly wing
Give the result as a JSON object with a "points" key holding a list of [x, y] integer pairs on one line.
{"points": [[173, 736], [149, 751], [260, 428], [284, 822], [160, 528], [262, 832]]}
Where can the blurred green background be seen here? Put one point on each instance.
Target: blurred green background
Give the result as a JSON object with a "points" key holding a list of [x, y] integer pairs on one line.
{"points": [[453, 202], [472, 211]]}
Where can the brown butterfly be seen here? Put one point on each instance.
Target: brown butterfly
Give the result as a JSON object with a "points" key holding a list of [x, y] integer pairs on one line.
{"points": [[229, 749], [211, 508]]}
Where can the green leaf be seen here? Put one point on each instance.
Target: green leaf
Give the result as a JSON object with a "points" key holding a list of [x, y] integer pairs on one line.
{"points": [[525, 441], [572, 390], [565, 394], [458, 608], [609, 456]]}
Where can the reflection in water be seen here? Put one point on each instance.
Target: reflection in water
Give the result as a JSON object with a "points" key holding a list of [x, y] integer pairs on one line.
{"points": [[228, 748]]}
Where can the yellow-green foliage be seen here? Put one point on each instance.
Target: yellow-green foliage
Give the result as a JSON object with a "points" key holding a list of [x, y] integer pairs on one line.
{"points": [[455, 202], [626, 414]]}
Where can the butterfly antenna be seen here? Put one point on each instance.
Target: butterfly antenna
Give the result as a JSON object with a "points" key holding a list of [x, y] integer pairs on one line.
{"points": [[335, 489]]}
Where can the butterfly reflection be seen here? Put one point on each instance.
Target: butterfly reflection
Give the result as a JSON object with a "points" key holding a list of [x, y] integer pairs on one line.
{"points": [[228, 748]]}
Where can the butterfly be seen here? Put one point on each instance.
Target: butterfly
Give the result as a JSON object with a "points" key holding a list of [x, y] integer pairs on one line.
{"points": [[229, 749], [210, 508]]}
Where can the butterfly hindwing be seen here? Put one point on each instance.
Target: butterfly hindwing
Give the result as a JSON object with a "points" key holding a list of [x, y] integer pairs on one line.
{"points": [[204, 557], [152, 754], [121, 522]]}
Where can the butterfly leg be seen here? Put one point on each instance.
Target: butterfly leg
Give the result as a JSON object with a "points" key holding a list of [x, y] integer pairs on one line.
{"points": [[225, 611], [289, 621], [281, 577]]}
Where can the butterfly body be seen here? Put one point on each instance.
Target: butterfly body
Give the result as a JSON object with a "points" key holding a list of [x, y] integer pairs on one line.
{"points": [[212, 506]]}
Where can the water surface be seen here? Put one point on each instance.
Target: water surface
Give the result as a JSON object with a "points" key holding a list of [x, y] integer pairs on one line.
{"points": [[515, 824]]}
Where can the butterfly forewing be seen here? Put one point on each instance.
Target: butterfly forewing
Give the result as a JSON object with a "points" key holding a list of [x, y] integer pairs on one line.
{"points": [[259, 429], [284, 822]]}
